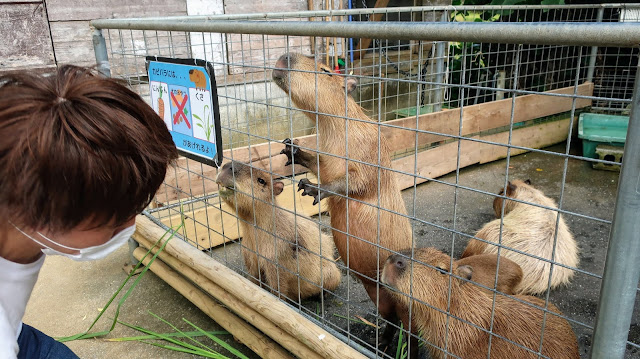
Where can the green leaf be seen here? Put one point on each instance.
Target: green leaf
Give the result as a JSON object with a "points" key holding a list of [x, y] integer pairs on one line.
{"points": [[222, 343], [172, 334]]}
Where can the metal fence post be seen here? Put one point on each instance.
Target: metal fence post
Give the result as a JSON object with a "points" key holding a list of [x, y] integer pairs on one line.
{"points": [[440, 50], [594, 50], [622, 268], [100, 50]]}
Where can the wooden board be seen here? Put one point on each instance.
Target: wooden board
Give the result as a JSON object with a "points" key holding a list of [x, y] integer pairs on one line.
{"points": [[442, 160], [223, 224], [73, 42], [24, 42], [70, 10], [179, 183], [363, 44]]}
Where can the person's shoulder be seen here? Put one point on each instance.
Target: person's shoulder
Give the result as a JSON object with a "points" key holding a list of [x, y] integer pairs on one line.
{"points": [[8, 341]]}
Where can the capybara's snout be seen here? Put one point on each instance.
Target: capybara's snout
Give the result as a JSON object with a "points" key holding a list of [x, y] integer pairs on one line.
{"points": [[284, 63], [393, 268], [225, 175]]}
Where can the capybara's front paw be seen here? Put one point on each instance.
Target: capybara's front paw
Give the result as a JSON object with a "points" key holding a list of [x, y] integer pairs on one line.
{"points": [[309, 189], [290, 150]]}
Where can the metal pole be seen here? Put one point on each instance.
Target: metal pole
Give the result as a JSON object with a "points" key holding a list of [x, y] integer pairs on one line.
{"points": [[440, 48], [594, 50], [100, 50], [622, 268], [614, 34]]}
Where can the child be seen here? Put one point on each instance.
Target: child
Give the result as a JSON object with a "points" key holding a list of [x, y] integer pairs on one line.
{"points": [[80, 157]]}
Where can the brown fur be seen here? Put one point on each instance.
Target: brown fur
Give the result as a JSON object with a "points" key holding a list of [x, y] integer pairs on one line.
{"points": [[529, 229], [360, 250], [280, 245], [482, 268], [513, 320], [198, 78]]}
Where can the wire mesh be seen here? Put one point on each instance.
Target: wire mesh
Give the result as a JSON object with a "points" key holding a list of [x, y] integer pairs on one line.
{"points": [[443, 107]]}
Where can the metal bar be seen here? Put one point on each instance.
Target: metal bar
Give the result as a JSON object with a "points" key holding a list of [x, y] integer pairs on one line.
{"points": [[561, 33], [370, 11], [594, 51], [100, 51], [440, 48], [621, 272]]}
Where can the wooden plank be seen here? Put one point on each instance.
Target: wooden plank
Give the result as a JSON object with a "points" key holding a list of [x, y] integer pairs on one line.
{"points": [[73, 10], [221, 218], [24, 37], [73, 42], [363, 44], [442, 160], [476, 118]]}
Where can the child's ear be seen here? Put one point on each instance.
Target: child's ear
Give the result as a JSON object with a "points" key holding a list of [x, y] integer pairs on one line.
{"points": [[351, 84], [465, 272], [511, 188], [277, 188]]}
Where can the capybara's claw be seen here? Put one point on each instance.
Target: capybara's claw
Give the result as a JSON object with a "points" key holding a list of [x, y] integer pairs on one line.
{"points": [[289, 150], [309, 189]]}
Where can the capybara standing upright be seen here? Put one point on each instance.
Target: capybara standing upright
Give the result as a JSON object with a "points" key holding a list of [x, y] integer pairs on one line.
{"points": [[280, 246], [529, 229], [362, 233], [435, 294]]}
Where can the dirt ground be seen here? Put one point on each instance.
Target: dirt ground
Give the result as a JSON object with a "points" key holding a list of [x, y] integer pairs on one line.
{"points": [[68, 294]]}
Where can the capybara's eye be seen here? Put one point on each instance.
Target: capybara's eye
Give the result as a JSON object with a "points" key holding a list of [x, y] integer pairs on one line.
{"points": [[441, 270], [261, 181], [327, 71]]}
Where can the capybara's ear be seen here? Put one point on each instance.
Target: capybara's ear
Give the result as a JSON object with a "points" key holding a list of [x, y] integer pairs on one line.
{"points": [[465, 272], [528, 181], [351, 84], [277, 188], [511, 188]]}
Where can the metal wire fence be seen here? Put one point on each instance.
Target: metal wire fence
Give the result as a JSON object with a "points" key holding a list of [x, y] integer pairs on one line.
{"points": [[442, 105]]}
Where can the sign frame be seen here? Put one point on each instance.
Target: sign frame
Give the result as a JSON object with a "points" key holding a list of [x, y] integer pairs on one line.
{"points": [[217, 159]]}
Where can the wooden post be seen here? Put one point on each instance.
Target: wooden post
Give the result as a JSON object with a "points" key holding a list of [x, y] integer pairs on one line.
{"points": [[238, 307], [249, 336], [316, 338]]}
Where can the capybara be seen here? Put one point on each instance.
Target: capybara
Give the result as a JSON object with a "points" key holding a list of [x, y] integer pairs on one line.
{"points": [[198, 78], [362, 233], [277, 246], [529, 229], [514, 320], [483, 269]]}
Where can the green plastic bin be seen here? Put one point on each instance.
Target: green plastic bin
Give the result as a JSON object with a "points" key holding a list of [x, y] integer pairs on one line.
{"points": [[596, 129]]}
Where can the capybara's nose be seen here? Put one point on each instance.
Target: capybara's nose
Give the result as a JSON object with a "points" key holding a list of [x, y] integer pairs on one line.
{"points": [[398, 261]]}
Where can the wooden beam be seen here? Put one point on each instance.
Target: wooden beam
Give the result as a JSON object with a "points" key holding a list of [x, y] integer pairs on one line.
{"points": [[363, 44], [243, 331], [272, 308], [199, 180], [441, 160], [245, 312]]}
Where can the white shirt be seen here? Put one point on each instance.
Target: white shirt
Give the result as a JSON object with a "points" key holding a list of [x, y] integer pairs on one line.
{"points": [[16, 283]]}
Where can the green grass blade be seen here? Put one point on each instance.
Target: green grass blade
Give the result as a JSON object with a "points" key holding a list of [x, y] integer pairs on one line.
{"points": [[163, 337], [220, 342], [179, 331], [86, 334], [399, 347], [350, 319], [172, 334]]}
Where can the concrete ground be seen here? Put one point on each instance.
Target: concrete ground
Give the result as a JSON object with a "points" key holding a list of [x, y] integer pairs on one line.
{"points": [[68, 294]]}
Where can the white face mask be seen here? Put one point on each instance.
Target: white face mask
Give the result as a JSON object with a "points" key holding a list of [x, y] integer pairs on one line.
{"points": [[89, 253]]}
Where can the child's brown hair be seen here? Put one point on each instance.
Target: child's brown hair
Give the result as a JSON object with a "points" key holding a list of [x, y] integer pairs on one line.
{"points": [[75, 145]]}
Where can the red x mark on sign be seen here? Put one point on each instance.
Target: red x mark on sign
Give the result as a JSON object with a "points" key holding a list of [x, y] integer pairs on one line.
{"points": [[180, 112]]}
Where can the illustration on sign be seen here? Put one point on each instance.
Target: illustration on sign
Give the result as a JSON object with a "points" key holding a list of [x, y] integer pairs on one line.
{"points": [[181, 94]]}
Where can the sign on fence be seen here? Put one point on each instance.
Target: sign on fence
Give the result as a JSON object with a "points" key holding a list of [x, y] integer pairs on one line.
{"points": [[183, 92]]}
